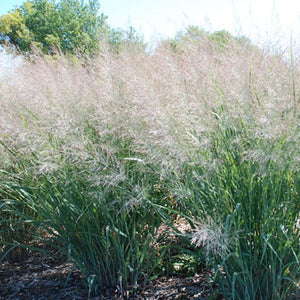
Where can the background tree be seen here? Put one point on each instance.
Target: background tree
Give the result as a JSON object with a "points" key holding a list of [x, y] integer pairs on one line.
{"points": [[13, 29], [73, 26], [196, 35], [119, 38]]}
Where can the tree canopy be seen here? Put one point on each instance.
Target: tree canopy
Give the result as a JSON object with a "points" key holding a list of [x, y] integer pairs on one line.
{"points": [[195, 35], [72, 26]]}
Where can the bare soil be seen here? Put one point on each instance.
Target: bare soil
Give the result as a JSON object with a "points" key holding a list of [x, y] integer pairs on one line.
{"points": [[43, 276]]}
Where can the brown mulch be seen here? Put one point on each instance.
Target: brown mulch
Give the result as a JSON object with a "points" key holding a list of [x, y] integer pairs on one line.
{"points": [[43, 276]]}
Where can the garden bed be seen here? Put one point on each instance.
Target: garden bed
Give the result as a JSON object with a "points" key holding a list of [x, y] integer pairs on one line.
{"points": [[44, 276]]}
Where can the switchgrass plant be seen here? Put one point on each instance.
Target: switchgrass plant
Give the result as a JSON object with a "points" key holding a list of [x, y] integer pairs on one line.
{"points": [[100, 152], [245, 214], [108, 227], [16, 231]]}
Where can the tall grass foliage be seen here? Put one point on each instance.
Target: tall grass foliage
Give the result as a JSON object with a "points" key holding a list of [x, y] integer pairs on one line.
{"points": [[245, 214], [100, 153], [100, 210]]}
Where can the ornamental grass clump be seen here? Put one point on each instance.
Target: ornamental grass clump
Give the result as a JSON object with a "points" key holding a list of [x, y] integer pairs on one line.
{"points": [[108, 227], [99, 153], [245, 214]]}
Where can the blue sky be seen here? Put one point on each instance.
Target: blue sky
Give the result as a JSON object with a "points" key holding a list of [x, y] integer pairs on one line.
{"points": [[258, 19]]}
